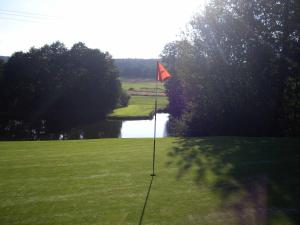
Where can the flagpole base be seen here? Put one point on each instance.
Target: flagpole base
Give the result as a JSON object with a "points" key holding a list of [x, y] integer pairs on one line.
{"points": [[152, 174]]}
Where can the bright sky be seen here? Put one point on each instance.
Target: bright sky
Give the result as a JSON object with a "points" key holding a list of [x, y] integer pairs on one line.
{"points": [[124, 28]]}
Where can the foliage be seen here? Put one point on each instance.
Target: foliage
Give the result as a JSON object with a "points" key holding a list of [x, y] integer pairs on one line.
{"points": [[4, 58], [60, 85], [105, 181], [124, 98], [174, 88], [2, 63], [137, 68], [1, 67], [238, 70]]}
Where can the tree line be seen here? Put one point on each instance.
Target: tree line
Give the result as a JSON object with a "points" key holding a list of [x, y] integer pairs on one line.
{"points": [[59, 85], [236, 70], [136, 68]]}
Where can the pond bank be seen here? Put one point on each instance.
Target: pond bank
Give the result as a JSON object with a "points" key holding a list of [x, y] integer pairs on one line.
{"points": [[138, 117], [20, 130]]}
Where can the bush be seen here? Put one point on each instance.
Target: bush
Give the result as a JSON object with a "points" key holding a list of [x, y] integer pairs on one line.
{"points": [[124, 99]]}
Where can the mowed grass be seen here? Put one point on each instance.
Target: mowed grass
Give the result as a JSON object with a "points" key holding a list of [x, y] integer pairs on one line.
{"points": [[140, 85], [139, 107], [199, 181]]}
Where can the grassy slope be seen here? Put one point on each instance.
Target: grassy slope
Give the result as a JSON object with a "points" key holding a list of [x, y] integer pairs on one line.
{"points": [[140, 106], [200, 181]]}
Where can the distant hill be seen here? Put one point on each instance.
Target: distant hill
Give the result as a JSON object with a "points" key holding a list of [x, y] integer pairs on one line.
{"points": [[136, 68], [4, 58]]}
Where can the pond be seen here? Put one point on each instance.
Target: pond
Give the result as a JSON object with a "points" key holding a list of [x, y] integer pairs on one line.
{"points": [[17, 130], [145, 128]]}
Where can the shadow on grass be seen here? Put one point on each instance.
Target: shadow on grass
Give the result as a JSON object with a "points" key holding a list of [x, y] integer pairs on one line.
{"points": [[256, 178], [146, 201]]}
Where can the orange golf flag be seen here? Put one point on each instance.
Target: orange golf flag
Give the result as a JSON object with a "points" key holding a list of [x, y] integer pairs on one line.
{"points": [[162, 73]]}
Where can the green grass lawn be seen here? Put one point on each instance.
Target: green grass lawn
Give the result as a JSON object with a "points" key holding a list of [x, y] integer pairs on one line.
{"points": [[139, 85], [199, 181], [139, 107]]}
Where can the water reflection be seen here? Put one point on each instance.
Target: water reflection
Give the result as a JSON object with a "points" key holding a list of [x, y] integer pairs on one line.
{"points": [[18, 130], [145, 128], [100, 129]]}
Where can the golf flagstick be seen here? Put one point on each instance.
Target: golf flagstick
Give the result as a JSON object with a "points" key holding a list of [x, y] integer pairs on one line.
{"points": [[154, 138], [161, 75]]}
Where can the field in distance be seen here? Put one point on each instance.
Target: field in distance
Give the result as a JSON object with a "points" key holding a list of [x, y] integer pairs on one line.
{"points": [[143, 87], [141, 103]]}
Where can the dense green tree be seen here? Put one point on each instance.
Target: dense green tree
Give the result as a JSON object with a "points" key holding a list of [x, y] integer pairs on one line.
{"points": [[1, 77], [1, 67], [239, 69], [174, 88], [60, 85]]}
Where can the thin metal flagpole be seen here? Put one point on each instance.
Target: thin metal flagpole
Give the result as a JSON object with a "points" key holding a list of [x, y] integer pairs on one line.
{"points": [[154, 138]]}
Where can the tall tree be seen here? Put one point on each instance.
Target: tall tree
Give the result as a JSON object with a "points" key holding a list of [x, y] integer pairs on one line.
{"points": [[240, 71], [60, 85]]}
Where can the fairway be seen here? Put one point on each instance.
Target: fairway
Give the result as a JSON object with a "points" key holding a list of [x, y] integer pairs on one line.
{"points": [[199, 181], [142, 85], [139, 107], [142, 101]]}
